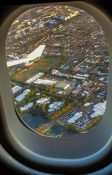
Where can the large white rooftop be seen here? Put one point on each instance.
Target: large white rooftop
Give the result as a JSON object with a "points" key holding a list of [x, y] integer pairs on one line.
{"points": [[79, 77], [22, 96], [43, 100], [58, 73], [75, 117], [16, 89], [87, 104], [82, 75], [26, 107], [45, 82], [99, 109], [32, 79], [55, 106], [33, 55]]}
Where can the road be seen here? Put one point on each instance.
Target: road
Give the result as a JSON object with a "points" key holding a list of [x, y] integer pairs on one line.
{"points": [[45, 128]]}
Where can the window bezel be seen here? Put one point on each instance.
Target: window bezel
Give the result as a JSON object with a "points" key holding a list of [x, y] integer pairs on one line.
{"points": [[26, 148]]}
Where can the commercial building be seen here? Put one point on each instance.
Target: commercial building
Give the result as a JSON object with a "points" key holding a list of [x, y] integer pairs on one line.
{"points": [[26, 107], [35, 77], [43, 100], [16, 89], [75, 117], [55, 106], [22, 96], [45, 82], [98, 109]]}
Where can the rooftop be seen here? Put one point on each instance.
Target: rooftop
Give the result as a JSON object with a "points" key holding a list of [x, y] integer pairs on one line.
{"points": [[16, 89], [22, 96], [75, 117], [32, 79], [55, 106], [26, 107], [99, 109], [45, 82], [43, 100]]}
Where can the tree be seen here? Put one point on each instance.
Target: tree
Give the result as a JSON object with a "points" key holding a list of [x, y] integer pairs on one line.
{"points": [[32, 111], [43, 108], [52, 89]]}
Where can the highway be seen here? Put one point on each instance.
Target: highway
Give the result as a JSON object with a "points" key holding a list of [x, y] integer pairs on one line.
{"points": [[45, 128]]}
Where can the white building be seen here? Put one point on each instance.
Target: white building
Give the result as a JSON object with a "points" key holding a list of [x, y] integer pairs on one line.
{"points": [[60, 92], [35, 77], [37, 94], [85, 93], [45, 82], [26, 107], [87, 104], [16, 89], [79, 77], [43, 100], [58, 73], [55, 106], [22, 96], [101, 79], [75, 117], [99, 109], [84, 75]]}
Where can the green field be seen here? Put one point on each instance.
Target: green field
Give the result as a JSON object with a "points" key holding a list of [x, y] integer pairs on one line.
{"points": [[40, 65]]}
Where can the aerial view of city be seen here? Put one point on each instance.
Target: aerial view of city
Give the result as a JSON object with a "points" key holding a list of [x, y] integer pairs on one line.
{"points": [[58, 61]]}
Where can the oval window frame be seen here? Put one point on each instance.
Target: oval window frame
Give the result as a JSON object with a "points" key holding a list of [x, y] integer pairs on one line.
{"points": [[26, 147]]}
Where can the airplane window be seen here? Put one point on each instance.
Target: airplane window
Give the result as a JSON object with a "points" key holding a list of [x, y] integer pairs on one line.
{"points": [[58, 60]]}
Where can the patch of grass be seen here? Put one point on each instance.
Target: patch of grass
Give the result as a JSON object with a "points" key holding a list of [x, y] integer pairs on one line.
{"points": [[41, 65]]}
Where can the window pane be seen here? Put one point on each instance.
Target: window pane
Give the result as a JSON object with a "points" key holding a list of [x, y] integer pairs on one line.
{"points": [[58, 61]]}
